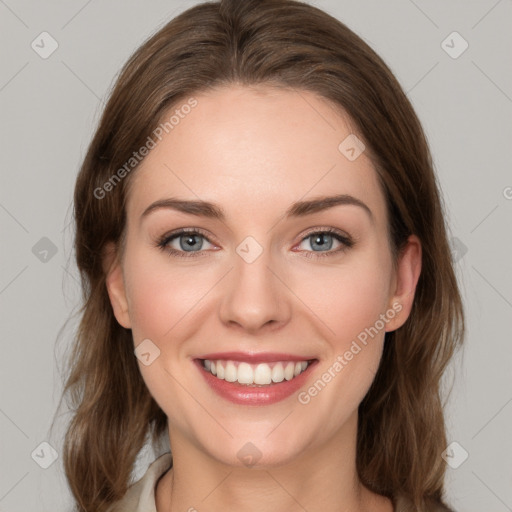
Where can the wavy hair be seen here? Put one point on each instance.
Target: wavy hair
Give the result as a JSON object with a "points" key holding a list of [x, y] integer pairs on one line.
{"points": [[293, 45]]}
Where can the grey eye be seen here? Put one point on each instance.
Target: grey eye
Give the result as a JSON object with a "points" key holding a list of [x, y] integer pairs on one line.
{"points": [[320, 241]]}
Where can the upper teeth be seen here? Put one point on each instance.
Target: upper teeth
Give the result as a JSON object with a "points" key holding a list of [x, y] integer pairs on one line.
{"points": [[260, 374]]}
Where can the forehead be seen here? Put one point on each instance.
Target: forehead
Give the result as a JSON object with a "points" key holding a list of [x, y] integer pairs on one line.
{"points": [[249, 148]]}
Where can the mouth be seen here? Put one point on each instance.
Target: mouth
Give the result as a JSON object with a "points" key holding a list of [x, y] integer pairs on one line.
{"points": [[255, 379], [251, 374]]}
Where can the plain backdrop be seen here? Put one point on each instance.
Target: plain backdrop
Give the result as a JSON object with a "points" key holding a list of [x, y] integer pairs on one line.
{"points": [[49, 109]]}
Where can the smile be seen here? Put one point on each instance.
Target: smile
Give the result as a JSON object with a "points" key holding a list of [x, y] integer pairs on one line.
{"points": [[261, 374], [255, 379]]}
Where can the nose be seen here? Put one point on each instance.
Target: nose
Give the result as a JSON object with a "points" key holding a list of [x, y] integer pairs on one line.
{"points": [[254, 297]]}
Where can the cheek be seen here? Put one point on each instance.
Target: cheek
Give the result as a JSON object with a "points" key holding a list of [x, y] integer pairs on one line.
{"points": [[160, 295], [359, 302], [163, 301], [351, 304], [347, 299]]}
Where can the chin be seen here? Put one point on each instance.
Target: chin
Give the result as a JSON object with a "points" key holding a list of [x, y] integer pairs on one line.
{"points": [[256, 451]]}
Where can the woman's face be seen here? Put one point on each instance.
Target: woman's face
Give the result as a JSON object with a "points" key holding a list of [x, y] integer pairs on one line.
{"points": [[265, 283]]}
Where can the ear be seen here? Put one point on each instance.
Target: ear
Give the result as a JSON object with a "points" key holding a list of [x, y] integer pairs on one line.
{"points": [[404, 282], [114, 281]]}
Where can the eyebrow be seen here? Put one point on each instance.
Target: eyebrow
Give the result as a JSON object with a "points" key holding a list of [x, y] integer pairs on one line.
{"points": [[298, 209]]}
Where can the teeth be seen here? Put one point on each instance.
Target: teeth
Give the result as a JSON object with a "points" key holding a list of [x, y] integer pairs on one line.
{"points": [[260, 374], [289, 371], [245, 374], [263, 374], [230, 373], [278, 373]]}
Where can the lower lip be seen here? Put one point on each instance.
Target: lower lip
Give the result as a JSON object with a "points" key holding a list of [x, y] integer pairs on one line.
{"points": [[248, 395]]}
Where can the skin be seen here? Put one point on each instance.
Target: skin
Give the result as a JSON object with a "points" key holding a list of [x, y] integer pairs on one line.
{"points": [[254, 151]]}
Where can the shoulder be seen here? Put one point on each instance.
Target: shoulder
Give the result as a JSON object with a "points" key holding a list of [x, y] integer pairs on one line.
{"points": [[140, 496]]}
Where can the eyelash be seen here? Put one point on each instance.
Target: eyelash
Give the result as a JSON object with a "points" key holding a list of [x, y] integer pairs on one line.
{"points": [[346, 241]]}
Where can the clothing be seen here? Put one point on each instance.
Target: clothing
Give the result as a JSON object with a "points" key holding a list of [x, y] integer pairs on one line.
{"points": [[140, 496]]}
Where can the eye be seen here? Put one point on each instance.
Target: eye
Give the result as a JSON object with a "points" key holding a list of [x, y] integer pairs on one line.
{"points": [[321, 241], [185, 241], [188, 243]]}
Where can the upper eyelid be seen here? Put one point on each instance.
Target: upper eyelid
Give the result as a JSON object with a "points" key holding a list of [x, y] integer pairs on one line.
{"points": [[183, 231]]}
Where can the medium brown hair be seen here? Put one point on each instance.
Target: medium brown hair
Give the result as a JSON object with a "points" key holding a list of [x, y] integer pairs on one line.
{"points": [[289, 44]]}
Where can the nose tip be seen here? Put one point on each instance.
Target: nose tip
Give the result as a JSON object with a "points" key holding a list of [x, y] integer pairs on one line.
{"points": [[253, 324], [254, 298]]}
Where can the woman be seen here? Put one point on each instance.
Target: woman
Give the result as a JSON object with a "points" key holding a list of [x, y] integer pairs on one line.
{"points": [[267, 278]]}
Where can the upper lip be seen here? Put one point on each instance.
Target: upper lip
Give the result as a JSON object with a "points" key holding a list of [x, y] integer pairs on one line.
{"points": [[253, 357]]}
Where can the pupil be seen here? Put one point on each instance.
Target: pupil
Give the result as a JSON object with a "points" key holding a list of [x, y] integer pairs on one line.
{"points": [[320, 241], [190, 241]]}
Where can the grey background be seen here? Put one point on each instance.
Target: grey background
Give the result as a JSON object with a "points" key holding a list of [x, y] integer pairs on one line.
{"points": [[49, 108]]}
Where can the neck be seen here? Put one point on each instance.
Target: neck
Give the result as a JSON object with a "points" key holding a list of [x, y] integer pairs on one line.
{"points": [[324, 478]]}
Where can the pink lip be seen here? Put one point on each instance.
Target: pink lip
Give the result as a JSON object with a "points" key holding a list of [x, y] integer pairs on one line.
{"points": [[247, 395], [252, 357]]}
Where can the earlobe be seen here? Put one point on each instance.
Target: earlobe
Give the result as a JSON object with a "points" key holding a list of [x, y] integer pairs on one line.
{"points": [[114, 281], [407, 275]]}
